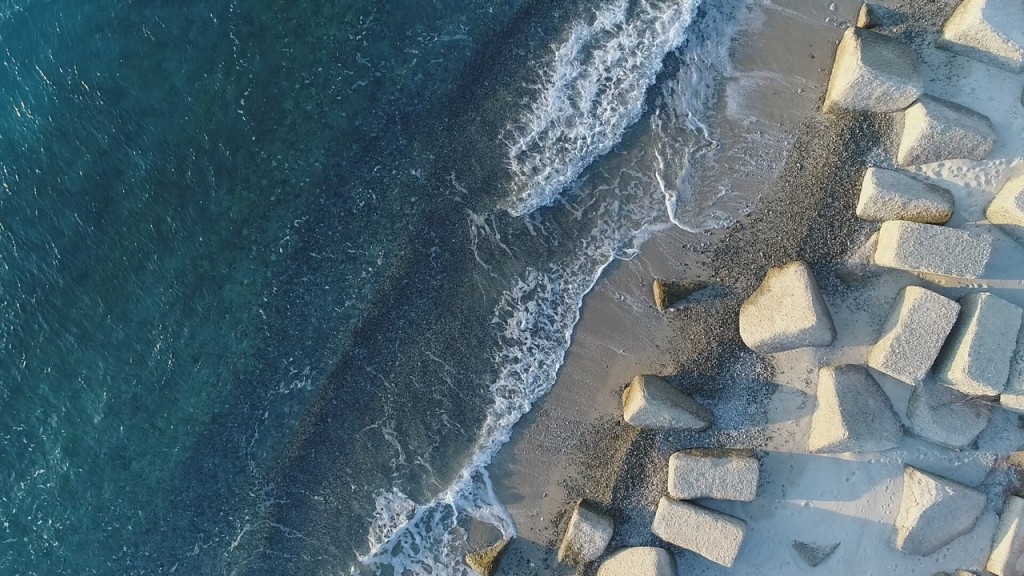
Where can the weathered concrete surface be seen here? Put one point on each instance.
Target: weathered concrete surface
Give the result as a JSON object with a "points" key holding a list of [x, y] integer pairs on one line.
{"points": [[652, 403], [814, 555], [485, 562], [872, 73], [913, 334], [711, 534], [853, 413], [787, 311], [587, 536], [896, 195], [932, 249], [934, 511], [991, 31], [875, 15], [976, 357], [1007, 557], [1007, 209], [936, 130], [946, 417], [667, 293], [639, 561], [722, 474], [1012, 397]]}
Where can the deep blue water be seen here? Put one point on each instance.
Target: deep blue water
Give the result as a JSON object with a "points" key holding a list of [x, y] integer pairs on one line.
{"points": [[276, 274]]}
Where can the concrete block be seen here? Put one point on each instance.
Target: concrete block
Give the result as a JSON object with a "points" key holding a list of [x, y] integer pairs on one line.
{"points": [[896, 195], [1007, 556], [913, 334], [987, 30], [876, 15], [787, 311], [587, 536], [934, 511], [1012, 397], [932, 249], [936, 130], [976, 357], [946, 417], [711, 534], [713, 473], [639, 561], [872, 73], [1007, 209], [853, 413], [652, 403]]}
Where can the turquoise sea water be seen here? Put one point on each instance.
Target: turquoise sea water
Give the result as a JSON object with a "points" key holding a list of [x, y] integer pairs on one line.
{"points": [[274, 275]]}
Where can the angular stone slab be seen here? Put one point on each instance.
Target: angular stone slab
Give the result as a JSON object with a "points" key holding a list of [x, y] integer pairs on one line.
{"points": [[786, 312], [713, 473], [853, 414], [1007, 209], [934, 511], [711, 534], [652, 403], [913, 334], [1007, 556], [896, 195], [639, 561], [485, 562], [944, 416], [987, 30], [587, 536], [976, 357], [814, 555], [873, 73], [935, 129], [875, 15], [932, 249], [1012, 397]]}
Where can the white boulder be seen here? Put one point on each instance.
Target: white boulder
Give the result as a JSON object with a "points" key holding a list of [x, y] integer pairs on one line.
{"points": [[934, 511], [652, 403], [977, 355], [872, 73], [896, 195], [931, 249], [787, 311], [711, 534], [639, 561], [991, 31], [913, 334], [1007, 209], [936, 130], [722, 474], [1007, 556], [587, 536], [853, 413], [944, 416]]}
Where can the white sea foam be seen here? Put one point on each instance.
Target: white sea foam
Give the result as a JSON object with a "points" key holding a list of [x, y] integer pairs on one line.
{"points": [[592, 91]]}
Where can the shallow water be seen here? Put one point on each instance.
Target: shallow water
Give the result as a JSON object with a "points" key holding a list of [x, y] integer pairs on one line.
{"points": [[276, 279]]}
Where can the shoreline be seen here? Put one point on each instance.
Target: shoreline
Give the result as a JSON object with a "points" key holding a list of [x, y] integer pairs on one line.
{"points": [[574, 444]]}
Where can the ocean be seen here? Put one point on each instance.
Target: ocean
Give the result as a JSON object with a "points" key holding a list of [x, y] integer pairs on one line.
{"points": [[277, 278]]}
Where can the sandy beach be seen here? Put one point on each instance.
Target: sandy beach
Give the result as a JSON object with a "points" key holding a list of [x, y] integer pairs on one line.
{"points": [[802, 193]]}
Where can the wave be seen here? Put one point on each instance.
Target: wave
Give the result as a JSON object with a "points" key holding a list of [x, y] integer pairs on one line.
{"points": [[593, 90]]}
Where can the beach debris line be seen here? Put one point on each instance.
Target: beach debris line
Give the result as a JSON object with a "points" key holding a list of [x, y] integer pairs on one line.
{"points": [[651, 403], [587, 536], [713, 535], [913, 334], [1007, 209], [1007, 557], [931, 249], [897, 195], [853, 413], [934, 511], [987, 30], [485, 562], [976, 357], [639, 561], [944, 416], [814, 555], [873, 73], [935, 129], [721, 474], [786, 312]]}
